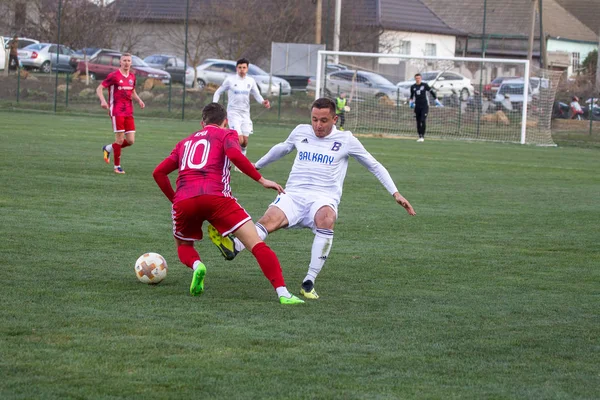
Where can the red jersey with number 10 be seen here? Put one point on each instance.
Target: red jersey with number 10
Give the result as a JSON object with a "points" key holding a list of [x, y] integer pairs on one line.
{"points": [[120, 88], [203, 166]]}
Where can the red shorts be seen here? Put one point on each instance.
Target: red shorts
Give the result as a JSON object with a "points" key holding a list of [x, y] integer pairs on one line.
{"points": [[123, 124], [224, 213]]}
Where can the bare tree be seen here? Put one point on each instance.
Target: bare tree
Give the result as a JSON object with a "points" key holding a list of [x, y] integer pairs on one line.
{"points": [[82, 23]]}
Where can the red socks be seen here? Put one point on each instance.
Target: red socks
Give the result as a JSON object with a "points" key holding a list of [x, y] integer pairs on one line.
{"points": [[117, 151], [268, 262], [188, 255], [116, 154]]}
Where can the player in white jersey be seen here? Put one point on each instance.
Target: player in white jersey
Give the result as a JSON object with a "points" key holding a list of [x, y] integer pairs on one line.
{"points": [[314, 187], [239, 87]]}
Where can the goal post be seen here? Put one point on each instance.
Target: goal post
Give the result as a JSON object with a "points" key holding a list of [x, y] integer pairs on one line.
{"points": [[477, 106]]}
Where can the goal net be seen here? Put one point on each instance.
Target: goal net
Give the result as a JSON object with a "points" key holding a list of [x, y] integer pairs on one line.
{"points": [[482, 98]]}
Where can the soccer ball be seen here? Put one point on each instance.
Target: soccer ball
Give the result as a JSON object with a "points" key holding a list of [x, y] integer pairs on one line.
{"points": [[151, 268]]}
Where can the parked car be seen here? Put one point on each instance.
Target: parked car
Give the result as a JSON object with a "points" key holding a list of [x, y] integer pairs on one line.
{"points": [[42, 56], [512, 90], [174, 66], [312, 80], [491, 88], [23, 42], [538, 83], [364, 84], [214, 71], [89, 52], [443, 82], [105, 63]]}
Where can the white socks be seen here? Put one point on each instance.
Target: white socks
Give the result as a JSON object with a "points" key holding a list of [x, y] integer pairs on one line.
{"points": [[196, 263], [108, 148], [283, 292], [244, 150], [320, 250]]}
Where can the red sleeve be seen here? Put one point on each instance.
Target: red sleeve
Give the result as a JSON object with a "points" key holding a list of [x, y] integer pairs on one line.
{"points": [[108, 80], [240, 161], [161, 177]]}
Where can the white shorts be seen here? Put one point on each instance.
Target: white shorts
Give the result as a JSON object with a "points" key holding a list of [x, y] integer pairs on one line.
{"points": [[300, 209], [240, 123]]}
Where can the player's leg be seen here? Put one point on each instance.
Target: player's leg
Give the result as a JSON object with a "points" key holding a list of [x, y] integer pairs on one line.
{"points": [[424, 121], [419, 118], [342, 121], [188, 216], [246, 129], [128, 137], [191, 259], [276, 217], [267, 260], [230, 245], [116, 148], [324, 221]]}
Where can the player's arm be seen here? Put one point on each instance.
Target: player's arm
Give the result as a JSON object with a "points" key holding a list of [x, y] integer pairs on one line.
{"points": [[234, 153], [412, 94], [278, 151], [365, 159], [100, 94], [431, 91], [257, 96], [222, 89], [161, 176], [135, 96], [239, 160]]}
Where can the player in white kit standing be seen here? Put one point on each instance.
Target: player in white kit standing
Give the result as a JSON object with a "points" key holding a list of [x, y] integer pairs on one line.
{"points": [[314, 187], [239, 87]]}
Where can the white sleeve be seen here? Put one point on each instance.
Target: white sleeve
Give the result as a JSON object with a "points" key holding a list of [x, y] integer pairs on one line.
{"points": [[278, 151], [358, 151], [255, 92], [222, 89]]}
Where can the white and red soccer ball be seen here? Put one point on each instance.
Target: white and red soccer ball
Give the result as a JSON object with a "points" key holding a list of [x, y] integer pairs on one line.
{"points": [[151, 268]]}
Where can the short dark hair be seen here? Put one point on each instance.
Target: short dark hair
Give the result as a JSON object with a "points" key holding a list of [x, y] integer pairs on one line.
{"points": [[417, 74], [324, 102], [213, 113], [126, 55], [242, 61]]}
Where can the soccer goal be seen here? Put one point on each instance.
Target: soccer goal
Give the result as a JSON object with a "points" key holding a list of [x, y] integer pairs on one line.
{"points": [[482, 98]]}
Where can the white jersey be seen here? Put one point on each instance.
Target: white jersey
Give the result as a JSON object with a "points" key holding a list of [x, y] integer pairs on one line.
{"points": [[238, 93], [321, 163]]}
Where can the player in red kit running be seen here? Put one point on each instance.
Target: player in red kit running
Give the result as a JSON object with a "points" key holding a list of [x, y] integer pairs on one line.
{"points": [[204, 194], [121, 89]]}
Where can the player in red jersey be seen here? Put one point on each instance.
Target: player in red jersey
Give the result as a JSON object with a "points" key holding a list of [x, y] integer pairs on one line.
{"points": [[121, 89], [204, 194]]}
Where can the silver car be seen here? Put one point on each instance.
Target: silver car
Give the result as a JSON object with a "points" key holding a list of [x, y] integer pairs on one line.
{"points": [[364, 85], [214, 71], [43, 56]]}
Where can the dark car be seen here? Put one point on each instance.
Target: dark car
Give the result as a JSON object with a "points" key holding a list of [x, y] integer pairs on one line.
{"points": [[105, 63], [174, 66], [491, 88], [89, 52]]}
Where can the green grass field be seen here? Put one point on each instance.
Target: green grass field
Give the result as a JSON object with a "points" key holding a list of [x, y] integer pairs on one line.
{"points": [[490, 292]]}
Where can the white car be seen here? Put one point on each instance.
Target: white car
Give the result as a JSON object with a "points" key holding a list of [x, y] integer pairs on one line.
{"points": [[214, 71], [510, 94], [536, 83], [445, 83], [5, 41]]}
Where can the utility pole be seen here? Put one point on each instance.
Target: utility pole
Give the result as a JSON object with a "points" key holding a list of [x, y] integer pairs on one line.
{"points": [[543, 54], [318, 21], [531, 32], [598, 65], [336, 29]]}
